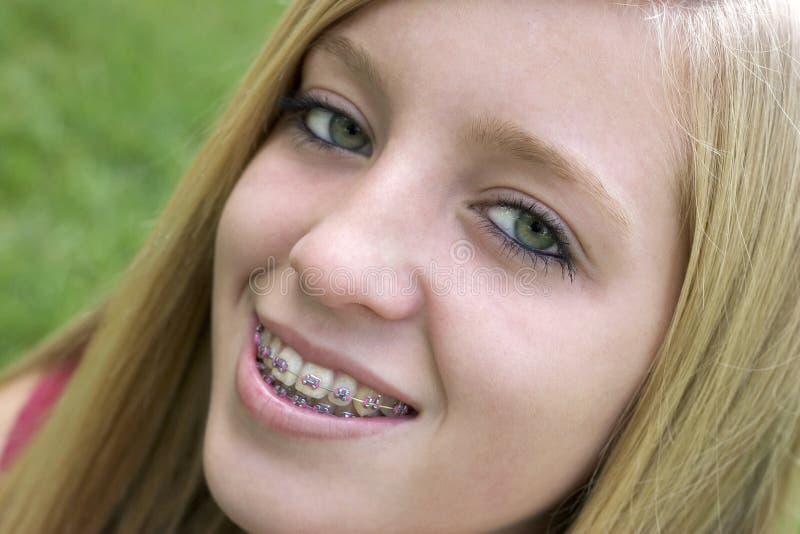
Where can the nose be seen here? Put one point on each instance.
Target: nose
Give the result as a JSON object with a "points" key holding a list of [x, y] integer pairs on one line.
{"points": [[360, 252]]}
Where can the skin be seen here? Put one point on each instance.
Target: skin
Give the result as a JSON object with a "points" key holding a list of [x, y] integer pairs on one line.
{"points": [[517, 392]]}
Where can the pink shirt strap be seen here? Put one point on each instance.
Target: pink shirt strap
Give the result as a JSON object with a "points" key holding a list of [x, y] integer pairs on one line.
{"points": [[33, 413]]}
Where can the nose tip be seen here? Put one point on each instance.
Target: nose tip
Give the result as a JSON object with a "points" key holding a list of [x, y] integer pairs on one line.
{"points": [[341, 273]]}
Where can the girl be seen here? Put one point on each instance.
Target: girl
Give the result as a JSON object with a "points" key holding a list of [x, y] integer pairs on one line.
{"points": [[457, 266]]}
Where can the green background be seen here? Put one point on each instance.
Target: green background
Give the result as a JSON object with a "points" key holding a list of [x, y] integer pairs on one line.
{"points": [[103, 104]]}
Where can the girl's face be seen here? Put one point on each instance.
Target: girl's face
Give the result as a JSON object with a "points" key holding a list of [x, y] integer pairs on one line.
{"points": [[470, 207]]}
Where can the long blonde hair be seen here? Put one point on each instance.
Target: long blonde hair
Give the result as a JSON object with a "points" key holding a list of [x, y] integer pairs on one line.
{"points": [[710, 442]]}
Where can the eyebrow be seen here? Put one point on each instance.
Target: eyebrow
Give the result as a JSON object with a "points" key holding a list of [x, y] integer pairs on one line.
{"points": [[488, 132], [524, 146], [353, 56]]}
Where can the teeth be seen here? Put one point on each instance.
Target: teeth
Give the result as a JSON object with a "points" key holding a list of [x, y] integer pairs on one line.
{"points": [[316, 388], [312, 381], [387, 401], [344, 387], [371, 402], [300, 400], [274, 342], [325, 408], [286, 366], [342, 411]]}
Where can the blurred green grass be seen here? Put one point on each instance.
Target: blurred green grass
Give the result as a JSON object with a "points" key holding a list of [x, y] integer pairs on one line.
{"points": [[103, 105]]}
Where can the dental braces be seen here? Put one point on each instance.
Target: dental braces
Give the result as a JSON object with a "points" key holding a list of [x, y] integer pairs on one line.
{"points": [[264, 351]]}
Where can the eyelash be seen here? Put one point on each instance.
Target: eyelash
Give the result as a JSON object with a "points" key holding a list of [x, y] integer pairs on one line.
{"points": [[511, 247], [295, 107]]}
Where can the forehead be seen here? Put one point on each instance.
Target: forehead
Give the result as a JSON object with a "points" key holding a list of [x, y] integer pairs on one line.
{"points": [[582, 73]]}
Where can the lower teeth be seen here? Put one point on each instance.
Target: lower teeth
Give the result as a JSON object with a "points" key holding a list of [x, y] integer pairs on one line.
{"points": [[301, 401], [316, 405]]}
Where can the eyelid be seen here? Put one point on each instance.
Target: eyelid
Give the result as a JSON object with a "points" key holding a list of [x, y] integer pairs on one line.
{"points": [[576, 246], [577, 249], [345, 108], [525, 202], [541, 206]]}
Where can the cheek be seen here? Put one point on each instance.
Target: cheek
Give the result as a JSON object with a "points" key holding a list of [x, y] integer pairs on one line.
{"points": [[236, 252], [253, 227], [543, 379]]}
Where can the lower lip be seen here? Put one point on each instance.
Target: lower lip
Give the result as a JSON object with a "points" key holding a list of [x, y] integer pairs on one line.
{"points": [[278, 414]]}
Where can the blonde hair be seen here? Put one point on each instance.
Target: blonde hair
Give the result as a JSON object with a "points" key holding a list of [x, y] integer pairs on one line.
{"points": [[710, 441]]}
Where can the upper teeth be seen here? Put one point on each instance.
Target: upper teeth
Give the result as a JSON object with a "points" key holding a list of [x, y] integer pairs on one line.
{"points": [[316, 382]]}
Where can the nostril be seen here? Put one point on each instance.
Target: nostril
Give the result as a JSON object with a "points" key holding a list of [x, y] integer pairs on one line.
{"points": [[332, 270]]}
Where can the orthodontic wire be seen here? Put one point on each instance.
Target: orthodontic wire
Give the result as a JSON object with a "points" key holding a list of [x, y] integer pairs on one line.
{"points": [[259, 339]]}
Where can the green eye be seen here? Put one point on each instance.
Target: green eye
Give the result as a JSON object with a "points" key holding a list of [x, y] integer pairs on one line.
{"points": [[525, 228], [336, 129], [534, 233], [528, 228]]}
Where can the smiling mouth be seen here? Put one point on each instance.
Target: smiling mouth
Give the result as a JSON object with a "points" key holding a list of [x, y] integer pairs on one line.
{"points": [[312, 387]]}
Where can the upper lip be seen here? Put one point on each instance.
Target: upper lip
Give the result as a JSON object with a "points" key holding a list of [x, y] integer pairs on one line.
{"points": [[334, 360]]}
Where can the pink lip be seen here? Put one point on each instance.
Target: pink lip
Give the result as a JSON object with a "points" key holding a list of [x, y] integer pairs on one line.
{"points": [[333, 360], [277, 414]]}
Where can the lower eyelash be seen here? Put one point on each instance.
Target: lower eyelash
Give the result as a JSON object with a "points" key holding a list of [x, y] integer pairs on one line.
{"points": [[302, 135], [511, 248], [294, 108]]}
